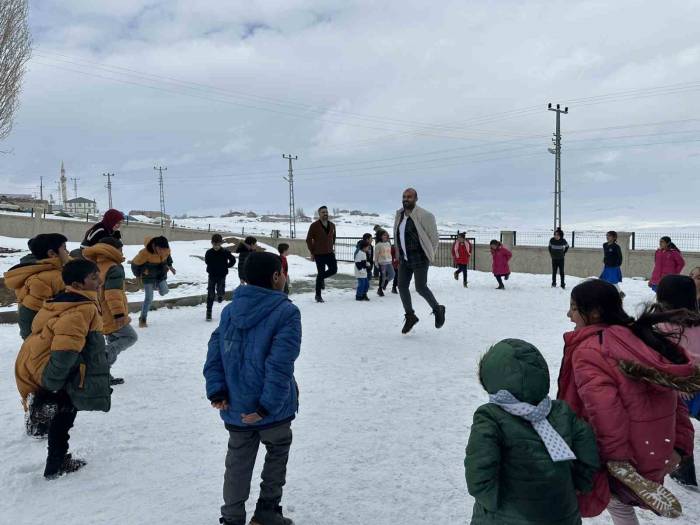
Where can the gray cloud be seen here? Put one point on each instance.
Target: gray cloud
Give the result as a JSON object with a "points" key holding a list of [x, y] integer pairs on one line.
{"points": [[450, 99]]}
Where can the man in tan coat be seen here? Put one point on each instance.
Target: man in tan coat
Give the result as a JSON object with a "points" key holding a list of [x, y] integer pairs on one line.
{"points": [[417, 242]]}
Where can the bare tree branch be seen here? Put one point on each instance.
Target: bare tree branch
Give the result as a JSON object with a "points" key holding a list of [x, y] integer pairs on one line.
{"points": [[15, 50]]}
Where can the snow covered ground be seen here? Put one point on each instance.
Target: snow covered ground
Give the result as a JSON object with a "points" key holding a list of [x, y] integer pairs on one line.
{"points": [[379, 438]]}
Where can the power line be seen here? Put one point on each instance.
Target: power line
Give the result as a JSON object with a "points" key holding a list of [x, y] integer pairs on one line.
{"points": [[160, 170], [292, 210], [557, 163], [109, 187]]}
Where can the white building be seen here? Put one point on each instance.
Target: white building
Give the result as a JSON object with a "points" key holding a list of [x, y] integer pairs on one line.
{"points": [[80, 206]]}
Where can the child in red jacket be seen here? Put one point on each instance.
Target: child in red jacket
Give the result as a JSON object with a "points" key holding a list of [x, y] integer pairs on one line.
{"points": [[283, 250], [667, 261], [623, 376], [501, 269], [461, 253]]}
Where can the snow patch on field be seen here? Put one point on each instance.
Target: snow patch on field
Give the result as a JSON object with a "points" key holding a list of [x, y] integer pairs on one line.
{"points": [[379, 438]]}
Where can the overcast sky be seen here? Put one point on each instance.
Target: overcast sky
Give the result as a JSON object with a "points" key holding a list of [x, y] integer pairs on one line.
{"points": [[449, 97]]}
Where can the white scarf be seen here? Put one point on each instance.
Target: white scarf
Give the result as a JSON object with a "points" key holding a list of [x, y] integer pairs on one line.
{"points": [[537, 417]]}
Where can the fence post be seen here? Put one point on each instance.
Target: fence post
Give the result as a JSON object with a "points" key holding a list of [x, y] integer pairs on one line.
{"points": [[209, 227], [634, 241], [573, 239]]}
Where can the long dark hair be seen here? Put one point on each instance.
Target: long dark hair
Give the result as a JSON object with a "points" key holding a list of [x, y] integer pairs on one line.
{"points": [[669, 244], [595, 295], [157, 242], [677, 291]]}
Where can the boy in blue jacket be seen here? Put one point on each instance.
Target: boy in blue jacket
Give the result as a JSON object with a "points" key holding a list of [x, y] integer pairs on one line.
{"points": [[249, 375]]}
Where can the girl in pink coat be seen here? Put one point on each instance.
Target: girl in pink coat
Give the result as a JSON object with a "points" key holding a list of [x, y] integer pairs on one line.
{"points": [[623, 376], [667, 261], [501, 255]]}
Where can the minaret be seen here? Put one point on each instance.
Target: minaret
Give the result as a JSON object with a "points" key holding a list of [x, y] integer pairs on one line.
{"points": [[64, 192]]}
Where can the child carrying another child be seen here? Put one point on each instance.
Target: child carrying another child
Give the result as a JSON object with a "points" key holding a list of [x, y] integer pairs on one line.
{"points": [[218, 260], [249, 373], [38, 278], [361, 270], [63, 361], [528, 456], [152, 265], [117, 329], [461, 253]]}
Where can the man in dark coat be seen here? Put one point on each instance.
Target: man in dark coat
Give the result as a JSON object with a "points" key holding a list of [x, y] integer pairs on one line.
{"points": [[321, 243]]}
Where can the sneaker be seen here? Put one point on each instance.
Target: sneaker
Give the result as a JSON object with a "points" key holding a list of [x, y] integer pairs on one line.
{"points": [[554, 285], [380, 292], [655, 496], [39, 416], [269, 515], [563, 286], [222, 521], [456, 275], [466, 285], [115, 380], [208, 316], [142, 323], [68, 464], [501, 287], [365, 298], [439, 316], [319, 299], [220, 299], [409, 323], [359, 298]]}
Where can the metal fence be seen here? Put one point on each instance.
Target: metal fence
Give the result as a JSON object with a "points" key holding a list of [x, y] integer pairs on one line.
{"points": [[345, 250], [686, 241]]}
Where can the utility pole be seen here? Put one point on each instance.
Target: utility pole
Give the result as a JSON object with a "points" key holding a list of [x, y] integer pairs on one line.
{"points": [[75, 186], [160, 170], [292, 211], [41, 188], [557, 163], [109, 187]]}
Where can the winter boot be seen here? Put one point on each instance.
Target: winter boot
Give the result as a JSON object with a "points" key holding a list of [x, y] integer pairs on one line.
{"points": [[142, 323], [319, 299], [563, 286], [685, 473], [456, 274], [409, 323], [365, 298], [394, 289], [220, 299], [466, 284], [68, 464], [554, 285], [39, 416], [380, 292], [269, 515], [653, 495], [439, 314], [222, 521], [208, 315], [115, 380]]}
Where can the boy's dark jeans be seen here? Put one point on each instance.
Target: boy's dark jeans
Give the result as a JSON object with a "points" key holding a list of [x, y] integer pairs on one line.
{"points": [[58, 435], [215, 288], [240, 460], [558, 265]]}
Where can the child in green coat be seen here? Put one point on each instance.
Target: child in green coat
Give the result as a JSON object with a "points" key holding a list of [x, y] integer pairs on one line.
{"points": [[527, 455]]}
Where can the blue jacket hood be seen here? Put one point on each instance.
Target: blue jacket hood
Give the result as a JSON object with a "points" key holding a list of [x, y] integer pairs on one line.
{"points": [[251, 304]]}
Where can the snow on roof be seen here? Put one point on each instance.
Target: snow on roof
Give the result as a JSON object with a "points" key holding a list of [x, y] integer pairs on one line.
{"points": [[80, 199]]}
